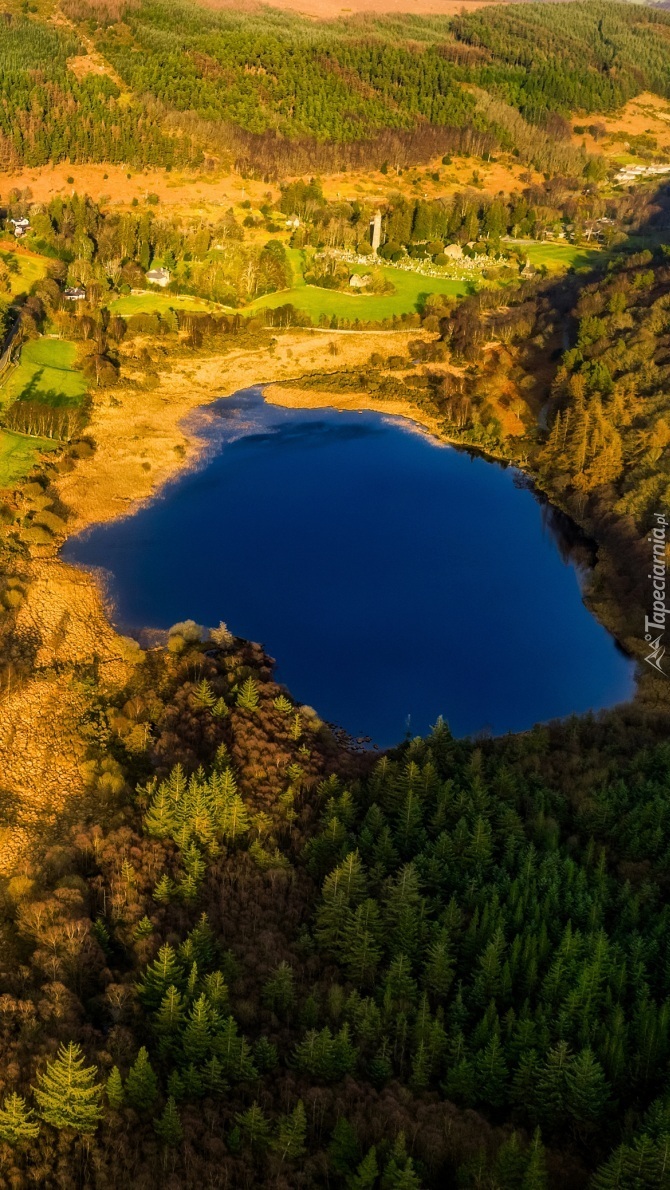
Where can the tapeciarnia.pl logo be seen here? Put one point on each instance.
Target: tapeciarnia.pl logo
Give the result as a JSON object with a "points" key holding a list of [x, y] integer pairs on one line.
{"points": [[654, 625]]}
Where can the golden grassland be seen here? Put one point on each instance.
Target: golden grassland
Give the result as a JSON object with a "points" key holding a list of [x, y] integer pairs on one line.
{"points": [[646, 115], [294, 397], [199, 194]]}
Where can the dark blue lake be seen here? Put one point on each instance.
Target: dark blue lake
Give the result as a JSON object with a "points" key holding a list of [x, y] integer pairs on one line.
{"points": [[394, 579]]}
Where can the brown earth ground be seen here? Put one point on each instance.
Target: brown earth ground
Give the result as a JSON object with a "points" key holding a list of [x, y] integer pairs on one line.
{"points": [[141, 443]]}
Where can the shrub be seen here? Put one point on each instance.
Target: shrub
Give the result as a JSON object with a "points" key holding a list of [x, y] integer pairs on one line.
{"points": [[36, 535], [82, 450], [50, 521], [188, 630]]}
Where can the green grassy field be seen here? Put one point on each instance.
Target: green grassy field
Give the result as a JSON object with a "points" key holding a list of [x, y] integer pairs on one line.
{"points": [[157, 303], [46, 372], [410, 289], [18, 453], [30, 268], [559, 257], [297, 261]]}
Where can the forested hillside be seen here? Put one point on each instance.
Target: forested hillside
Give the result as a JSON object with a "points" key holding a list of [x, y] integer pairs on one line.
{"points": [[48, 114], [593, 353], [220, 82], [262, 958], [352, 78]]}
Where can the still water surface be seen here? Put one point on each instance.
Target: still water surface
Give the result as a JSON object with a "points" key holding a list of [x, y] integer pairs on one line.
{"points": [[393, 578]]}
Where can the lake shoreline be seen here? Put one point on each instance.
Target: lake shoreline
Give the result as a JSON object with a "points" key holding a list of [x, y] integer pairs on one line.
{"points": [[69, 608], [376, 611], [116, 481]]}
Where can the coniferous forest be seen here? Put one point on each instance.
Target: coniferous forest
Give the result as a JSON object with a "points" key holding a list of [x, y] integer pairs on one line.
{"points": [[192, 81]]}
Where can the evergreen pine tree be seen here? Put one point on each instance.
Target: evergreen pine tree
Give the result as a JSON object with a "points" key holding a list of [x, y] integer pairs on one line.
{"points": [[535, 1176], [200, 945], [16, 1121], [343, 1149], [197, 1036], [164, 889], [279, 990], [160, 819], [204, 696], [236, 820], [587, 1090], [255, 1126], [360, 948], [552, 1088], [170, 1014], [399, 1173], [380, 1067], [511, 1162], [175, 1085], [114, 1089], [216, 990], [234, 1053], [169, 1126], [367, 1173], [67, 1094], [247, 699], [289, 1141], [266, 1057], [421, 1067], [491, 1074], [438, 971], [401, 1179], [165, 971], [213, 1077], [141, 1087]]}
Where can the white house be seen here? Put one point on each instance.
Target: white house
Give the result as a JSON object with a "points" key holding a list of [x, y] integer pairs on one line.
{"points": [[293, 222], [158, 277], [75, 293], [356, 281], [20, 226]]}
